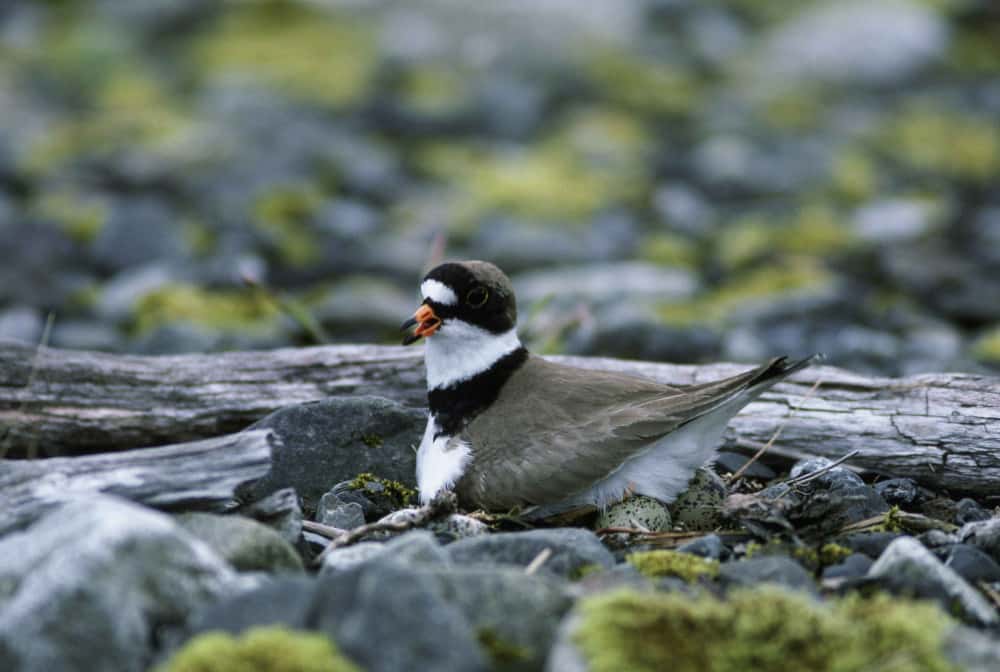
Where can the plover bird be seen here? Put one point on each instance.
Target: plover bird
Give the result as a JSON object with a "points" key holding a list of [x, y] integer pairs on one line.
{"points": [[508, 429]]}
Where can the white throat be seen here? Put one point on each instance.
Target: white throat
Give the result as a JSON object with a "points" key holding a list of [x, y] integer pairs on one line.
{"points": [[459, 350]]}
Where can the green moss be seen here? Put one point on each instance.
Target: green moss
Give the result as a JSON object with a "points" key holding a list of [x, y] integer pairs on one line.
{"points": [[794, 109], [673, 563], [669, 250], [433, 89], [243, 310], [986, 348], [763, 629], [583, 571], [500, 650], [82, 218], [945, 143], [650, 87], [854, 176], [831, 554], [282, 212], [131, 109], [815, 230], [891, 521], [590, 162], [401, 494], [746, 289], [271, 649], [324, 57], [371, 440]]}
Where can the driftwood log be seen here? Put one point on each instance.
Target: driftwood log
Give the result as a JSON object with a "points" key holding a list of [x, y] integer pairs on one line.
{"points": [[941, 429], [201, 475]]}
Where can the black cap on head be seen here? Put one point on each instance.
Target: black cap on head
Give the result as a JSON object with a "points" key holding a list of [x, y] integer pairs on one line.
{"points": [[485, 296]]}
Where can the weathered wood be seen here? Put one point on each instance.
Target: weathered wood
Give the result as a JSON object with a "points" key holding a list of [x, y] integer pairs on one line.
{"points": [[943, 429], [200, 475]]}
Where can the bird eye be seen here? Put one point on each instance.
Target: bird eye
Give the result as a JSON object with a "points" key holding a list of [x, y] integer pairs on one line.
{"points": [[477, 297]]}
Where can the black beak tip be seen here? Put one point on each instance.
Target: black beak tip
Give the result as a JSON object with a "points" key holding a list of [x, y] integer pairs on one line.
{"points": [[409, 323], [410, 339]]}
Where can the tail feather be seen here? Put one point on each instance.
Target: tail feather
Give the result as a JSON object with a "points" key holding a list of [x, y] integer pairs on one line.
{"points": [[780, 368]]}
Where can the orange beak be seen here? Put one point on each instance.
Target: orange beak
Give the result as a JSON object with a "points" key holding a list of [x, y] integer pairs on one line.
{"points": [[427, 323]]}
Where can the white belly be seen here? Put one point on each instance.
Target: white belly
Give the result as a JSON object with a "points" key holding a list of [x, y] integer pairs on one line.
{"points": [[440, 462]]}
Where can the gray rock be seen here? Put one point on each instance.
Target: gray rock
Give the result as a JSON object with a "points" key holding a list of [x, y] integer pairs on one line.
{"points": [[85, 335], [280, 511], [898, 491], [972, 650], [909, 568], [893, 221], [855, 42], [571, 549], [853, 566], [385, 616], [833, 499], [768, 569], [601, 283], [285, 600], [350, 557], [872, 544], [21, 323], [335, 512], [972, 564], [413, 547], [709, 546], [244, 543], [139, 230], [983, 534], [515, 616], [88, 587], [333, 440], [968, 511], [120, 294], [177, 338]]}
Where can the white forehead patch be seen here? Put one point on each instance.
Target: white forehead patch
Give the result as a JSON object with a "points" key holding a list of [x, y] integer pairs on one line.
{"points": [[438, 292]]}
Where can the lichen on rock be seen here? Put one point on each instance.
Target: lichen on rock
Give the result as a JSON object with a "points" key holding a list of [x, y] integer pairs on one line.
{"points": [[760, 629]]}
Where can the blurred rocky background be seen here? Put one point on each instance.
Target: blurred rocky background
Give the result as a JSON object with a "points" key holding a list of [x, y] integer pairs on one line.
{"points": [[668, 179]]}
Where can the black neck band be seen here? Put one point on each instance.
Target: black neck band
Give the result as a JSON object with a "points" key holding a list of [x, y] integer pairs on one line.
{"points": [[455, 406]]}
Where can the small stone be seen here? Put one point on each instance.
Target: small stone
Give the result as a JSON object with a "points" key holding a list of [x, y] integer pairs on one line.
{"points": [[768, 569], [335, 512], [21, 323], [937, 539], [872, 544], [349, 557], [983, 534], [898, 491], [246, 544], [907, 567], [637, 512], [940, 508], [700, 506], [571, 549], [91, 585], [972, 564], [968, 511], [709, 546], [280, 511], [853, 566]]}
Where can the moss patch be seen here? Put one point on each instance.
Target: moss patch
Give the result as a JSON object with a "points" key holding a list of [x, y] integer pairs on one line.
{"points": [[271, 649], [649, 87], [747, 289], [945, 143], [399, 493], [282, 213], [244, 310], [673, 563], [500, 650], [81, 217], [763, 630], [987, 347], [323, 57], [591, 162]]}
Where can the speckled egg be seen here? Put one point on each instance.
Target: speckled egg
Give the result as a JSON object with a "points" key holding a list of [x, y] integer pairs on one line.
{"points": [[699, 507], [637, 512]]}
